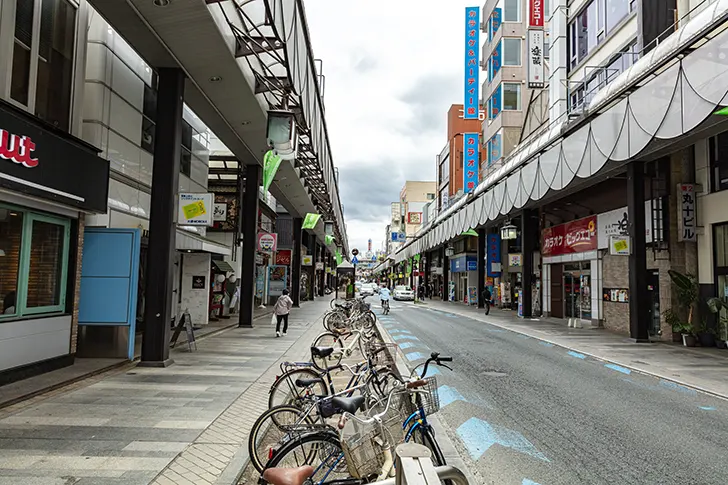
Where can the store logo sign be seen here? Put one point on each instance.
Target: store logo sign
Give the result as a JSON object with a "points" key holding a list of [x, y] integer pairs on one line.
{"points": [[18, 149]]}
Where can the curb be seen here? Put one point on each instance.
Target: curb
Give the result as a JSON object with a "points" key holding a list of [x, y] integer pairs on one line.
{"points": [[600, 358]]}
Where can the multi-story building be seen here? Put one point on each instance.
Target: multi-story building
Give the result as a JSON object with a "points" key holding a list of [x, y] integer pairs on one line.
{"points": [[505, 92], [449, 162], [412, 198]]}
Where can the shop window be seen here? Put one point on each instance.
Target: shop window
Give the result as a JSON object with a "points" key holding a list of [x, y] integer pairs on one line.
{"points": [[718, 153], [42, 66], [33, 262]]}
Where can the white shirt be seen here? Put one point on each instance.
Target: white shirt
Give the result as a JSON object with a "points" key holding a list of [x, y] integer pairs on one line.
{"points": [[384, 294]]}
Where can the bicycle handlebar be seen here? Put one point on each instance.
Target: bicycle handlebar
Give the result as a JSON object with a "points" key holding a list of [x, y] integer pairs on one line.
{"points": [[435, 357]]}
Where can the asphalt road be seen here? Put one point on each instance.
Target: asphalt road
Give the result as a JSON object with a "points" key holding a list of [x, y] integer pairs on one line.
{"points": [[524, 412]]}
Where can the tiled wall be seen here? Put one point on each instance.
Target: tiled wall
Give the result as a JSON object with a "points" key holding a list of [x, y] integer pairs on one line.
{"points": [[77, 284], [112, 120]]}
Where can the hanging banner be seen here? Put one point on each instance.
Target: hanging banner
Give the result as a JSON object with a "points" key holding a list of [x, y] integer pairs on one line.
{"points": [[271, 162], [339, 259], [311, 220], [496, 59], [495, 20], [329, 240], [470, 161], [472, 67], [495, 103], [535, 13], [494, 255], [535, 59], [267, 242]]}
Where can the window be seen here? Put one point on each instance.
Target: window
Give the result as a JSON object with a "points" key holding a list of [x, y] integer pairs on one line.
{"points": [[718, 156], [42, 67], [511, 10], [511, 96], [592, 25], [33, 262], [511, 51], [616, 11], [430, 196]]}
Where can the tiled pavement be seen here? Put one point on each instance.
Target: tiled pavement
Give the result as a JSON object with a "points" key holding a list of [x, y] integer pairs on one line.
{"points": [[701, 369], [186, 424]]}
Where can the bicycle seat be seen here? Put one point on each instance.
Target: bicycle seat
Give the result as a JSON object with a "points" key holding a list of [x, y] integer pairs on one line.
{"points": [[308, 382], [349, 404], [288, 476], [322, 351]]}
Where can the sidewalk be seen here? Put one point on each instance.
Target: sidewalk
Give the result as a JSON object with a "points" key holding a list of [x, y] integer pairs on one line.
{"points": [[701, 369], [84, 368], [186, 424]]}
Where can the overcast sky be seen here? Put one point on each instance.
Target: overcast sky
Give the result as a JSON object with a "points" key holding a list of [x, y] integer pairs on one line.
{"points": [[393, 68]]}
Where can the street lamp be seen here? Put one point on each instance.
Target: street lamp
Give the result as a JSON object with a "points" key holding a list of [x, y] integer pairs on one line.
{"points": [[281, 133], [329, 228], [509, 231], [449, 251]]}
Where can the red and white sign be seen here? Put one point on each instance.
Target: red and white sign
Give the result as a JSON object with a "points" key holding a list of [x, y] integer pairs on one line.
{"points": [[267, 242], [573, 237], [535, 13], [18, 149], [414, 218], [283, 257]]}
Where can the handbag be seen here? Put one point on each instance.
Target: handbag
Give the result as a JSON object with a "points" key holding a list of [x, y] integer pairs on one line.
{"points": [[273, 319]]}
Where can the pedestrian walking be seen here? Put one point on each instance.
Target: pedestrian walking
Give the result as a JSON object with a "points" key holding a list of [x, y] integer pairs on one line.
{"points": [[281, 310], [486, 299]]}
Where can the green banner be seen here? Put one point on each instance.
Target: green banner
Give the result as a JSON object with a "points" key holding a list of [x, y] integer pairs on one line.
{"points": [[271, 162], [470, 232], [329, 240], [311, 220], [339, 259]]}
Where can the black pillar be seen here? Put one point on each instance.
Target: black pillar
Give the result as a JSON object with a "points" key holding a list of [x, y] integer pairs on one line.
{"points": [[296, 262], [445, 275], [250, 231], [529, 244], [162, 230], [482, 244], [428, 264], [322, 274], [325, 276], [638, 310]]}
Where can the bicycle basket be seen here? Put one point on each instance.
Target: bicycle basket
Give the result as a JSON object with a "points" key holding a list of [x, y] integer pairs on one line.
{"points": [[363, 443], [429, 396]]}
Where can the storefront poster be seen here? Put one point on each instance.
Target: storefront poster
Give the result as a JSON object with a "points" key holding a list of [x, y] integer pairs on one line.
{"points": [[307, 260], [472, 295], [573, 237], [195, 209], [616, 295], [514, 260], [283, 257], [494, 255]]}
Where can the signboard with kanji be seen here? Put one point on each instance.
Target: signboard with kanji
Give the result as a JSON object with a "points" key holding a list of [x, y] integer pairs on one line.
{"points": [[472, 67], [471, 151], [573, 237], [686, 219], [535, 59]]}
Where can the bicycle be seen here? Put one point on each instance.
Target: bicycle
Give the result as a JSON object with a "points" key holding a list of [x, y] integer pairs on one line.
{"points": [[328, 347], [385, 307]]}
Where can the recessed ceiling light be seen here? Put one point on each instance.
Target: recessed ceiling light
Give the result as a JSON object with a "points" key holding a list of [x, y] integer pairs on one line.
{"points": [[162, 3], [245, 123], [213, 79]]}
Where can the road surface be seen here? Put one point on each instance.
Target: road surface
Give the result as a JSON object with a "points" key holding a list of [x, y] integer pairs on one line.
{"points": [[524, 412]]}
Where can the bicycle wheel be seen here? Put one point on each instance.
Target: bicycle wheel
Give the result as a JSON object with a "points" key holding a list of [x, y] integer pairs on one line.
{"points": [[426, 436], [321, 450], [334, 321], [285, 391], [328, 339], [271, 428]]}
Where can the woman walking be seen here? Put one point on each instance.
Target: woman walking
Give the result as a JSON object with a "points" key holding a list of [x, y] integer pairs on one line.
{"points": [[282, 309]]}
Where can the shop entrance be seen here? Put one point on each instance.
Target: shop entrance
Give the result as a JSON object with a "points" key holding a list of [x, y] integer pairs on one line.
{"points": [[577, 290]]}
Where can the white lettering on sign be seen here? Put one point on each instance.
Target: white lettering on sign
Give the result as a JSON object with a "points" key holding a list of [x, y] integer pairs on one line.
{"points": [[18, 149], [481, 114]]}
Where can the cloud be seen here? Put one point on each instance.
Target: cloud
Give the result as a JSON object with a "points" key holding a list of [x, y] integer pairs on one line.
{"points": [[390, 80]]}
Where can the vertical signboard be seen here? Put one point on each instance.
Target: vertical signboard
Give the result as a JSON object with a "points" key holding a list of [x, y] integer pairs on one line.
{"points": [[686, 220], [535, 13], [496, 59], [535, 59], [470, 161], [496, 19], [494, 255], [496, 101], [494, 147], [472, 68]]}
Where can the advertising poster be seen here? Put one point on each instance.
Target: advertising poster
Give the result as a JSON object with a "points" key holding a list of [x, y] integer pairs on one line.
{"points": [[277, 279], [195, 209]]}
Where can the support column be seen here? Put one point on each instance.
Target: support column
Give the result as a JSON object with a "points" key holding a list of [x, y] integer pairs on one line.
{"points": [[638, 311], [162, 228], [322, 276], [529, 243], [296, 262], [250, 230], [482, 244], [428, 264], [445, 274]]}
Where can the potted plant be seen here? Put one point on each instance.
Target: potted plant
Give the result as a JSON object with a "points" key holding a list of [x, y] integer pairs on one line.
{"points": [[706, 335], [687, 296], [719, 306], [673, 319]]}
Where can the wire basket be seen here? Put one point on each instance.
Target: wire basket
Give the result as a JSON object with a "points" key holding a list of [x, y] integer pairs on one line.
{"points": [[363, 443], [429, 396]]}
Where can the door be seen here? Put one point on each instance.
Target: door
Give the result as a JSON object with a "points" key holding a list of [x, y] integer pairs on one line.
{"points": [[557, 290], [109, 279], [653, 290]]}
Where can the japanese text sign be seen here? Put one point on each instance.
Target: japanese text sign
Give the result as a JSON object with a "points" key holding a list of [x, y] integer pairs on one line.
{"points": [[535, 59], [493, 251], [686, 219], [535, 13], [496, 101], [495, 59], [496, 19], [573, 237], [283, 257], [470, 161], [472, 67], [494, 149]]}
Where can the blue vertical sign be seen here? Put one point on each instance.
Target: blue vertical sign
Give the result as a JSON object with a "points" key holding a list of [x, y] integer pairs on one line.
{"points": [[470, 161], [495, 21], [472, 69], [495, 149], [494, 254], [496, 104], [496, 58]]}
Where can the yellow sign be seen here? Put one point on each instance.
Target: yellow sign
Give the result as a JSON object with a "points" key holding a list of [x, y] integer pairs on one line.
{"points": [[620, 245], [195, 209]]}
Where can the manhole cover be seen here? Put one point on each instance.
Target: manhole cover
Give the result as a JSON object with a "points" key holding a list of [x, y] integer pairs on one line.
{"points": [[493, 373]]}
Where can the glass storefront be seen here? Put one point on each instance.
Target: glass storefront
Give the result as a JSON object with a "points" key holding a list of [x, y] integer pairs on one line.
{"points": [[720, 251], [577, 290], [33, 262]]}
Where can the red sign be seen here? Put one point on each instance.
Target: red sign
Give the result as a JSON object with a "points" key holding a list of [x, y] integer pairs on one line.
{"points": [[18, 149], [535, 13], [283, 257], [267, 242], [573, 237]]}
